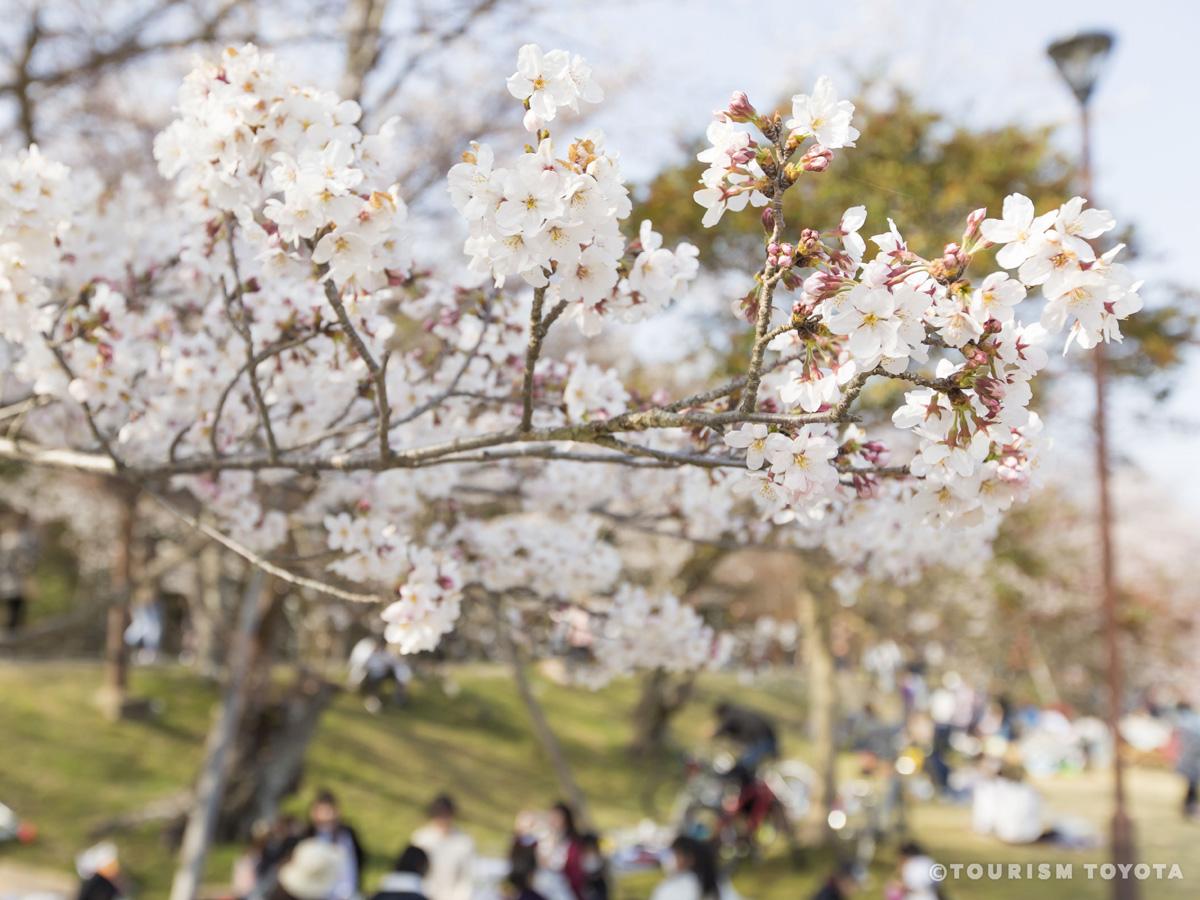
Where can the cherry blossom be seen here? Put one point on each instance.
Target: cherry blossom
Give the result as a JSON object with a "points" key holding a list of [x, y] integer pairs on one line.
{"points": [[822, 116], [273, 352]]}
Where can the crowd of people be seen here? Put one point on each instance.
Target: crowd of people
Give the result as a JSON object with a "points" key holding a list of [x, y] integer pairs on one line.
{"points": [[550, 858]]}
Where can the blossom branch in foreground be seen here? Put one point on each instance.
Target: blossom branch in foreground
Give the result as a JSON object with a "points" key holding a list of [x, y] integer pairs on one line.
{"points": [[130, 344]]}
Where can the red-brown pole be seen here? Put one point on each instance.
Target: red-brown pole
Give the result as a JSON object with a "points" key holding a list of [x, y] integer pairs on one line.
{"points": [[1122, 839]]}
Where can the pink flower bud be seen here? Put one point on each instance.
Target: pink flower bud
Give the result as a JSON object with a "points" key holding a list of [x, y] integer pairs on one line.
{"points": [[974, 220], [953, 257], [742, 156], [740, 108], [816, 159], [875, 452]]}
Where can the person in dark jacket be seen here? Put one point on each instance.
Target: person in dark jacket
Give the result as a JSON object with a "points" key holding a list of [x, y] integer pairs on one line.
{"points": [[406, 880], [750, 729], [100, 870], [595, 869], [325, 824], [522, 872], [99, 887]]}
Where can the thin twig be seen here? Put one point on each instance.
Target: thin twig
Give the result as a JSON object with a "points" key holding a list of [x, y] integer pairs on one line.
{"points": [[262, 563], [241, 324], [378, 372]]}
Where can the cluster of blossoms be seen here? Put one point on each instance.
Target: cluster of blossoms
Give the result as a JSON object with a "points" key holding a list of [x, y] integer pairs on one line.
{"points": [[279, 327], [853, 318], [38, 202], [642, 632], [548, 82], [555, 222], [549, 555], [248, 142], [741, 171], [591, 392]]}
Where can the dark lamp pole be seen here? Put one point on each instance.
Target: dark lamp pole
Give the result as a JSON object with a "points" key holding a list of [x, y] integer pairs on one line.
{"points": [[1079, 60]]}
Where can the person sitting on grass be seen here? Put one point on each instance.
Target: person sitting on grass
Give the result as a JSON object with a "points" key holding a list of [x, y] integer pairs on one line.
{"points": [[751, 730]]}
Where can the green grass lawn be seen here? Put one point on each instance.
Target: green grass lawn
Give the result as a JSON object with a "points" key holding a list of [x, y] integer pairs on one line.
{"points": [[66, 769]]}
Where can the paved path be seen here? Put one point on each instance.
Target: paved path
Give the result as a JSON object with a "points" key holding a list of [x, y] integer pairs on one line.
{"points": [[20, 882]]}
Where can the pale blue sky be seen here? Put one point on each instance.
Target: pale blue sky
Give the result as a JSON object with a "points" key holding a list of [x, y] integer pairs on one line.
{"points": [[983, 62]]}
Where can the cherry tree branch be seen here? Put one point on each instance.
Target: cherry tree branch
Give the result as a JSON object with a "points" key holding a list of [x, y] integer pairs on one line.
{"points": [[378, 371], [241, 324], [101, 439], [261, 562], [538, 328], [251, 363], [766, 293]]}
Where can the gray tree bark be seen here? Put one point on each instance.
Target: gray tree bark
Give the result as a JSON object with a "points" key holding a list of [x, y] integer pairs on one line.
{"points": [[823, 701], [114, 693], [545, 735], [202, 822]]}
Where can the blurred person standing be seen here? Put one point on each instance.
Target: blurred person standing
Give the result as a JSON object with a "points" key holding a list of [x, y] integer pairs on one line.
{"points": [[565, 853], [595, 869], [451, 852], [326, 826]]}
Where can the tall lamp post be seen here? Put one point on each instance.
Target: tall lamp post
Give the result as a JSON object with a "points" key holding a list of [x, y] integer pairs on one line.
{"points": [[1079, 60]]}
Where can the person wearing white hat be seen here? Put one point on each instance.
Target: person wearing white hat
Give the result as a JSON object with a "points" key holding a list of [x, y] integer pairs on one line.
{"points": [[310, 873], [100, 871]]}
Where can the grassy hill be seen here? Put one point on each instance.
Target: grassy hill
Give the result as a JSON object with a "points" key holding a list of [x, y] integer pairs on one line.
{"points": [[66, 769]]}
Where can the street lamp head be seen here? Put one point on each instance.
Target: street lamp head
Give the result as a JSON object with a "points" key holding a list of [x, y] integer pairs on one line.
{"points": [[1079, 60]]}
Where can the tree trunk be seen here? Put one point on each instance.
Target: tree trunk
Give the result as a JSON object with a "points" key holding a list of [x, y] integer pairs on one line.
{"points": [[276, 729], [823, 701], [541, 727], [268, 761], [660, 701], [207, 611], [202, 821], [364, 31], [114, 693]]}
